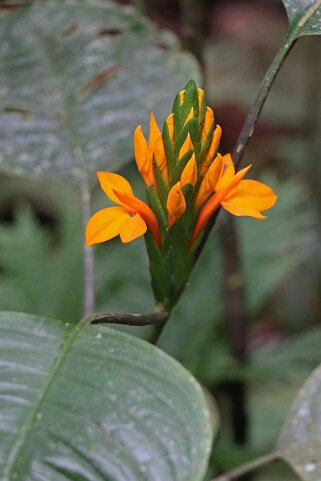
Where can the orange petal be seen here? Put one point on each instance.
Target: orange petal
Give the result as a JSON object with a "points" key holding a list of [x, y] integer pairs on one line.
{"points": [[143, 157], [186, 147], [105, 225], [200, 94], [228, 188], [159, 152], [227, 173], [135, 205], [214, 202], [242, 211], [109, 181], [211, 150], [182, 96], [249, 198], [170, 126], [154, 131], [208, 122], [176, 204], [209, 182], [131, 229], [189, 174]]}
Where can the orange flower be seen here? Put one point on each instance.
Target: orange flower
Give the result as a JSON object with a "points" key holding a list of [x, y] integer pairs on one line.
{"points": [[237, 196], [187, 180], [129, 221]]}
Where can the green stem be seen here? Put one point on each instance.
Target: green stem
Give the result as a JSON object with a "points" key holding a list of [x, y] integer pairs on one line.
{"points": [[265, 87], [155, 332], [248, 467]]}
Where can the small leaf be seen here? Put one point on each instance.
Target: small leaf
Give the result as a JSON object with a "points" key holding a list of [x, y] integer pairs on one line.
{"points": [[75, 80], [304, 16], [300, 439], [92, 404]]}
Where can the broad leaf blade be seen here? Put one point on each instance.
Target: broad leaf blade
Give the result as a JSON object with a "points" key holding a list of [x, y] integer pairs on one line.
{"points": [[304, 16], [90, 403], [75, 80], [300, 439]]}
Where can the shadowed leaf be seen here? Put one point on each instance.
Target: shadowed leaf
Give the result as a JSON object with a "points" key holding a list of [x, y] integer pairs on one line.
{"points": [[75, 80]]}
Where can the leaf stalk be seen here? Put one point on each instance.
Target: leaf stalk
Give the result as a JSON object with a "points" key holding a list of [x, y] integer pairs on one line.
{"points": [[156, 318]]}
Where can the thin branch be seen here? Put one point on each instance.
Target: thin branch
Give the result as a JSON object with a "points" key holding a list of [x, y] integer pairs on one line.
{"points": [[89, 265], [248, 467], [152, 319]]}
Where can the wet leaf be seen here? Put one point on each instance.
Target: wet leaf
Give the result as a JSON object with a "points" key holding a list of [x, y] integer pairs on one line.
{"points": [[75, 80], [300, 439], [304, 16], [89, 403]]}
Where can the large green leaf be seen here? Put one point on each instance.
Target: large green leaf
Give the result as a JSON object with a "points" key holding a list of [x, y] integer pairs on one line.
{"points": [[88, 403], [300, 439], [75, 79], [304, 16]]}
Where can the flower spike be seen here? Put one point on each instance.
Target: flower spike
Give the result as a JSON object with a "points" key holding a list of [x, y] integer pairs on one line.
{"points": [[187, 181]]}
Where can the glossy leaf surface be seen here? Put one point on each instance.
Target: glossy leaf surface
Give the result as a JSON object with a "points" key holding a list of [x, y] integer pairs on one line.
{"points": [[76, 79], [89, 403]]}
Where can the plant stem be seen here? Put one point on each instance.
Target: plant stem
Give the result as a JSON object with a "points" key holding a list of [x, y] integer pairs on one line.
{"points": [[89, 265], [154, 334], [156, 318], [265, 87], [248, 467]]}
